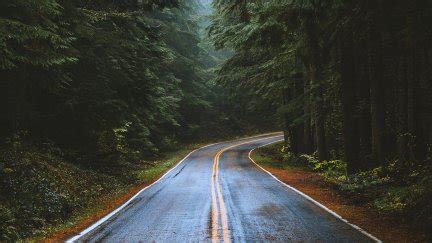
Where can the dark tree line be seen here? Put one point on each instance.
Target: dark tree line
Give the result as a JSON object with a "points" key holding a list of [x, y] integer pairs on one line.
{"points": [[116, 78], [102, 83], [91, 93], [349, 82], [351, 78]]}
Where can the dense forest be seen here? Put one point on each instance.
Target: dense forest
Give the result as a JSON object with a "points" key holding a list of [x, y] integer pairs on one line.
{"points": [[96, 87], [107, 84], [351, 82], [99, 74]]}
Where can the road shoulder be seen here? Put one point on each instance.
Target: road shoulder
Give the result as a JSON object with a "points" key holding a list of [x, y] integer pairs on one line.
{"points": [[386, 228]]}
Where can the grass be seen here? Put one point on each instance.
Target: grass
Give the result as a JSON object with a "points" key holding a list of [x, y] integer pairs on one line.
{"points": [[167, 162], [272, 156]]}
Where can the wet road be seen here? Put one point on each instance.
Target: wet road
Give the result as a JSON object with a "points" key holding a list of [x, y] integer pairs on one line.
{"points": [[218, 194]]}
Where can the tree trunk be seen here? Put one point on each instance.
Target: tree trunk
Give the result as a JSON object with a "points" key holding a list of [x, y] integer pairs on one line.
{"points": [[320, 127], [415, 116], [349, 106], [316, 74], [285, 118], [319, 113], [293, 132], [319, 116], [307, 123], [377, 97], [403, 136], [364, 119]]}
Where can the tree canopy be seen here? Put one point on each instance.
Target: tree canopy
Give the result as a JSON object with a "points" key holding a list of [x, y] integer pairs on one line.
{"points": [[113, 82]]}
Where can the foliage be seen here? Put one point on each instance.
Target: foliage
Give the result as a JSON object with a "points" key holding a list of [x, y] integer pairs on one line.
{"points": [[393, 190], [76, 72], [111, 83], [298, 57], [38, 188], [348, 81], [36, 38], [98, 87], [331, 168]]}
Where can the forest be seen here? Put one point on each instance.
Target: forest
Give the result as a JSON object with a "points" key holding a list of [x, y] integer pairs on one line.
{"points": [[351, 83], [101, 87]]}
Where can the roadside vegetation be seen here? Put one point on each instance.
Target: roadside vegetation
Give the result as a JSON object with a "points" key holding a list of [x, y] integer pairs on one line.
{"points": [[350, 84], [92, 93], [392, 192], [48, 193]]}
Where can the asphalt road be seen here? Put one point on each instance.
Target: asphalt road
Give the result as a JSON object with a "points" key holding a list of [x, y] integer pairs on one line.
{"points": [[218, 194]]}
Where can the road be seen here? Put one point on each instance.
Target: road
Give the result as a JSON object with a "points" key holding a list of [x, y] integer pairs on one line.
{"points": [[218, 194]]}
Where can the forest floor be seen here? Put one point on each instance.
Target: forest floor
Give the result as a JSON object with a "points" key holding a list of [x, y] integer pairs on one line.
{"points": [[387, 228]]}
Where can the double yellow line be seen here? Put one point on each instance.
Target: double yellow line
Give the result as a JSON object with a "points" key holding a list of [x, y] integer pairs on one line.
{"points": [[217, 200], [218, 207]]}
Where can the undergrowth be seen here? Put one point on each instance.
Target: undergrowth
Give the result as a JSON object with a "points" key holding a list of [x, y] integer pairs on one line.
{"points": [[42, 190], [402, 188]]}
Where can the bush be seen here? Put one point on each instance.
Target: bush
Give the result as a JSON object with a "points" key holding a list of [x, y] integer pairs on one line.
{"points": [[38, 188], [33, 190], [330, 169], [365, 182], [401, 188], [7, 231], [411, 201]]}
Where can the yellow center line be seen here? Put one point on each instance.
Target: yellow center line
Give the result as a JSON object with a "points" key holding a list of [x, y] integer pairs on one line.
{"points": [[218, 204], [223, 212], [215, 211]]}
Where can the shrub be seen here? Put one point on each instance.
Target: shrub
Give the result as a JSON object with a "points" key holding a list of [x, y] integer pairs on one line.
{"points": [[38, 188], [7, 231], [330, 169]]}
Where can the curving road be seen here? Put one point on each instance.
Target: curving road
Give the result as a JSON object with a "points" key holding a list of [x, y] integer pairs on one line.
{"points": [[218, 194]]}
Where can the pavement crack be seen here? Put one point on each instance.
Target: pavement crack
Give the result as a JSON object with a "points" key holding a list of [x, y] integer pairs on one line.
{"points": [[179, 171]]}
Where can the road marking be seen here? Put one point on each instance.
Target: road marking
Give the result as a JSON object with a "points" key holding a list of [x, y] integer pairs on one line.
{"points": [[215, 211], [108, 216], [311, 199], [226, 234], [218, 204]]}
